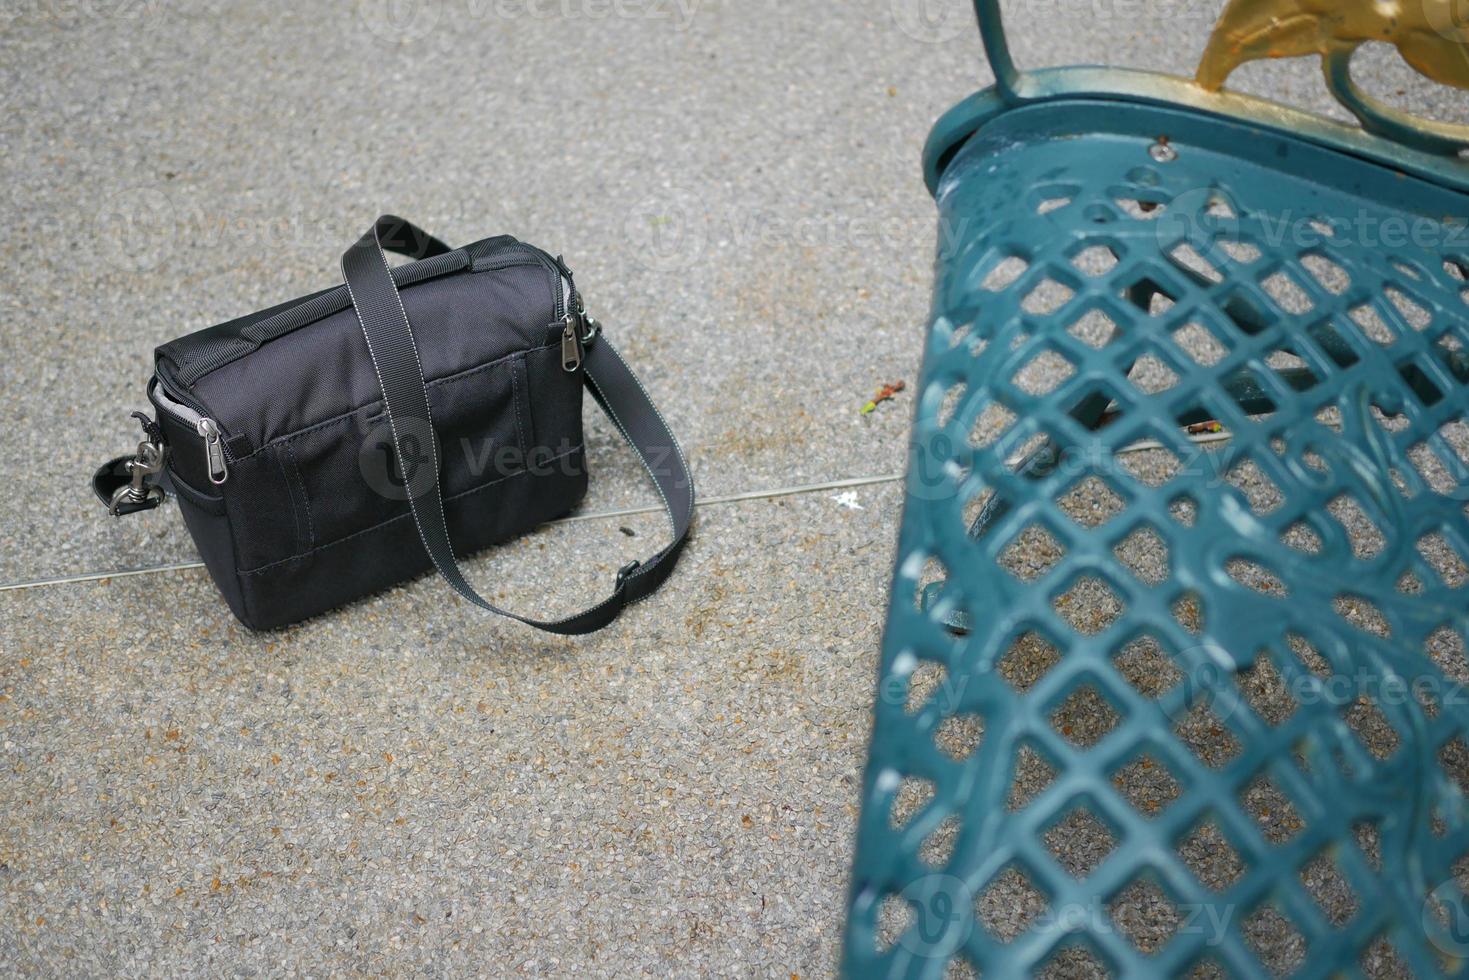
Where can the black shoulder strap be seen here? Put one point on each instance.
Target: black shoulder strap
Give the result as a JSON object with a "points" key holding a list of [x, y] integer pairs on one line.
{"points": [[403, 237], [612, 383]]}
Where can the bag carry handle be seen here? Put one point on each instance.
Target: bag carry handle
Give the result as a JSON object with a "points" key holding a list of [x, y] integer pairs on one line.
{"points": [[612, 383]]}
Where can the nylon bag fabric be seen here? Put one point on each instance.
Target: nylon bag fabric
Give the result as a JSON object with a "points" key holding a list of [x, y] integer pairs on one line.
{"points": [[305, 489]]}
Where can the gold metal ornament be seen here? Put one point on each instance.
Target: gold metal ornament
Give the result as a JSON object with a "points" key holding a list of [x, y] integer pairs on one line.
{"points": [[1432, 35]]}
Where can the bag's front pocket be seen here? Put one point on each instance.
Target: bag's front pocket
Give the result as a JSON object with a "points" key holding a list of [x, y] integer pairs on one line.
{"points": [[342, 477], [207, 518]]}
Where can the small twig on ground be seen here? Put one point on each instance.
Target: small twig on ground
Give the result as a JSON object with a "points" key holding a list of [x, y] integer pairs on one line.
{"points": [[884, 394]]}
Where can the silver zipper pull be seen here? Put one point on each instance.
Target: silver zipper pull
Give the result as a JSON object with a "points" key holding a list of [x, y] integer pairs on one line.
{"points": [[570, 342], [213, 451]]}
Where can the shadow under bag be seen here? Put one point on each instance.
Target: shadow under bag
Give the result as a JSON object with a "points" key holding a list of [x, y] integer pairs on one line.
{"points": [[335, 445]]}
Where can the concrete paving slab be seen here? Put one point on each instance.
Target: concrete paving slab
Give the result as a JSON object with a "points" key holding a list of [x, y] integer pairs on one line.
{"points": [[409, 786], [737, 186]]}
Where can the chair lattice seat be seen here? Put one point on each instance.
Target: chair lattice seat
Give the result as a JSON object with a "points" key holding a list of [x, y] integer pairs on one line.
{"points": [[1174, 674]]}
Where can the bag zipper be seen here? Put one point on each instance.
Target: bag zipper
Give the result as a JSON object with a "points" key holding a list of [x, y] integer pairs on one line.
{"points": [[571, 310], [567, 305], [577, 329], [216, 458]]}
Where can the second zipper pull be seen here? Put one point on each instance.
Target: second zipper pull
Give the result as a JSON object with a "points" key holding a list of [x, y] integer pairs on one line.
{"points": [[219, 470], [571, 342]]}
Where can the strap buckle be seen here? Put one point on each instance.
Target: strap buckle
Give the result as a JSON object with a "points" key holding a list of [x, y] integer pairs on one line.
{"points": [[626, 572], [138, 493], [594, 327]]}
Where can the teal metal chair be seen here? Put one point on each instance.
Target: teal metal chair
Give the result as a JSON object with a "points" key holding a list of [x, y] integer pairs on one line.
{"points": [[1173, 673]]}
